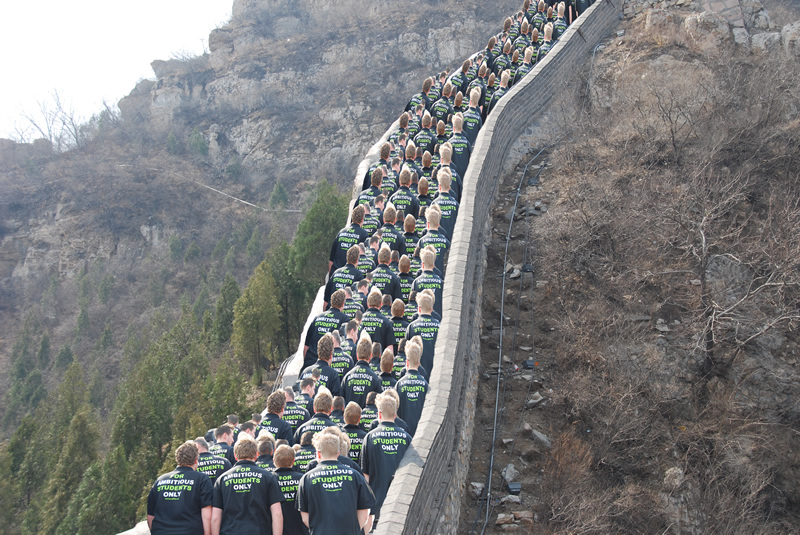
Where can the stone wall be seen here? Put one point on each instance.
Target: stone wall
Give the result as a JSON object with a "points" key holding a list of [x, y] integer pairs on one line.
{"points": [[425, 496]]}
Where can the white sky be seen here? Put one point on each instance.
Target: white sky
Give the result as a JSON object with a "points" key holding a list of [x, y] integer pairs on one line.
{"points": [[90, 50]]}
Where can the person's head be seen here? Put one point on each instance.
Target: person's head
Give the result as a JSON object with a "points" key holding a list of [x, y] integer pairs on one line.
{"points": [[384, 257], [425, 303], [374, 297], [447, 153], [323, 403], [276, 402], [413, 355], [376, 349], [426, 159], [528, 55], [288, 393], [352, 413], [233, 420], [505, 76], [371, 398], [327, 446], [245, 449], [364, 348], [256, 417], [248, 428], [284, 456], [353, 254], [411, 151], [401, 345], [507, 47], [379, 199], [386, 151], [459, 100], [387, 407], [409, 224], [548, 31], [426, 120], [445, 178], [338, 403], [305, 438], [526, 5], [376, 178], [202, 444], [482, 72], [491, 43], [404, 265], [428, 258], [337, 299], [186, 454], [358, 215], [433, 218], [351, 329], [405, 177], [535, 35], [307, 386], [265, 443], [515, 57], [386, 300], [541, 5], [325, 347], [426, 85], [550, 12], [458, 122], [491, 81], [390, 214], [224, 433], [337, 340], [387, 360]]}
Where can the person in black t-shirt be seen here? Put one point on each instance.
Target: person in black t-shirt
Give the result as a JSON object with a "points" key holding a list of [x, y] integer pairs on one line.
{"points": [[384, 279], [211, 465], [344, 449], [293, 414], [352, 420], [370, 411], [323, 404], [437, 239], [448, 205], [273, 421], [337, 412], [368, 195], [334, 497], [404, 199], [412, 388], [329, 377], [429, 280], [343, 277], [304, 453], [361, 380], [385, 154], [266, 447], [378, 326], [347, 237], [341, 361], [387, 377], [383, 449], [306, 398], [427, 328], [288, 480], [330, 320], [247, 499], [375, 361], [223, 436], [180, 501], [391, 235], [421, 98]]}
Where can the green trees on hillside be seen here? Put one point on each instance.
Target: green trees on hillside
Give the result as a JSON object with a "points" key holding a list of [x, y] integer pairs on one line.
{"points": [[256, 321]]}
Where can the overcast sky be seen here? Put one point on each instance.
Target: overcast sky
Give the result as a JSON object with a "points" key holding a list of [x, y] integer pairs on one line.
{"points": [[90, 50]]}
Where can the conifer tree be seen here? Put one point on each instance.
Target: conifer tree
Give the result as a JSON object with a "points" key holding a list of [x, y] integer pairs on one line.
{"points": [[256, 321]]}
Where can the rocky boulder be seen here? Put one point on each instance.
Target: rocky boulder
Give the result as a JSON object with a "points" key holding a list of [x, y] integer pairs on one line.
{"points": [[790, 38], [766, 42], [709, 31]]}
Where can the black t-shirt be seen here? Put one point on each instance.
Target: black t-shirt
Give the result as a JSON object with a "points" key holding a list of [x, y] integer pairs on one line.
{"points": [[346, 238], [441, 244], [295, 415], [328, 377], [351, 306], [175, 500], [356, 435], [383, 449], [411, 388], [337, 417], [279, 428], [449, 206], [462, 150], [359, 382], [378, 327], [404, 199], [427, 328], [399, 327], [392, 237], [265, 462], [223, 450], [288, 481], [387, 380], [245, 494], [332, 494], [472, 124], [328, 321], [212, 465], [342, 278], [385, 280], [368, 195], [341, 362], [368, 414], [317, 423], [303, 456]]}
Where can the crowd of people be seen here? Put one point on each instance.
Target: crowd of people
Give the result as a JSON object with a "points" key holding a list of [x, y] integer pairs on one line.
{"points": [[322, 457]]}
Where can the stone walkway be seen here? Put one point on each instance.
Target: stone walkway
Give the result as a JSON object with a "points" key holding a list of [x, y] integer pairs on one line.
{"points": [[730, 9]]}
